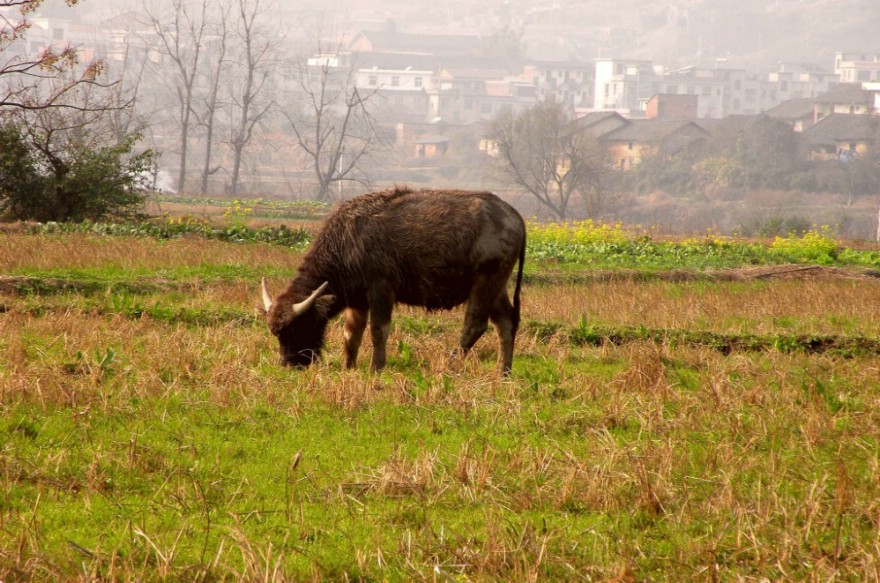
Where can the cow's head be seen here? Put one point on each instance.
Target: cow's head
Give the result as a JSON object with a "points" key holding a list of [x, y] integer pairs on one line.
{"points": [[299, 326]]}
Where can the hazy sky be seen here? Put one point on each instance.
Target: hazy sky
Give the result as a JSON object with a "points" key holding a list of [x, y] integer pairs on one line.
{"points": [[753, 33]]}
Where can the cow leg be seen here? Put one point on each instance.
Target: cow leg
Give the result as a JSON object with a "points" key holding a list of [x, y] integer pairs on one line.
{"points": [[381, 306], [352, 333], [502, 317], [476, 316]]}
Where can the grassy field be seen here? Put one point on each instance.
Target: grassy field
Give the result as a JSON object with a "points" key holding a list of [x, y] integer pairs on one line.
{"points": [[716, 423]]}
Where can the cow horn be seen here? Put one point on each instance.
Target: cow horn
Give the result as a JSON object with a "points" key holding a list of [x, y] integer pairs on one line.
{"points": [[267, 297], [306, 304]]}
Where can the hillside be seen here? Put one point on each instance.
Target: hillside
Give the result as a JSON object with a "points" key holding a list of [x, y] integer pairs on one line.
{"points": [[750, 33]]}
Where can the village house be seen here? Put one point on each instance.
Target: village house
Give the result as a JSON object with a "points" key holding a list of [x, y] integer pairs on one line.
{"points": [[857, 67], [599, 123], [569, 83], [843, 98], [464, 96], [842, 136], [431, 146], [620, 84], [641, 138], [800, 81], [663, 106], [799, 114], [401, 94]]}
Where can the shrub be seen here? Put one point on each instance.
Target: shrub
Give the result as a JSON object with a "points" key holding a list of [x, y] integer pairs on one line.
{"points": [[44, 181]]}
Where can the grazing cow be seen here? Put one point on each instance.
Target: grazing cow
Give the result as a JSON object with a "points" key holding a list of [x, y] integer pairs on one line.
{"points": [[431, 248]]}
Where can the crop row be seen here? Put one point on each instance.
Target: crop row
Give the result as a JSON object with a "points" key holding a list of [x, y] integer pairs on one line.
{"points": [[578, 244]]}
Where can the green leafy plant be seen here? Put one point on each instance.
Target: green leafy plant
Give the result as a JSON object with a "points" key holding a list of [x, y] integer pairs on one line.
{"points": [[73, 182], [169, 228], [814, 246]]}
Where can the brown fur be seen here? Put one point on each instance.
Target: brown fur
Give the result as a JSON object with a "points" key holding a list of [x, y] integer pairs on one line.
{"points": [[431, 248]]}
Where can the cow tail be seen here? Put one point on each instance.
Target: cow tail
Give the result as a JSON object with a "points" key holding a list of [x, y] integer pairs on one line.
{"points": [[519, 278]]}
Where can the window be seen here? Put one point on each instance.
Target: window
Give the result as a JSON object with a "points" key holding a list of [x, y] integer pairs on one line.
{"points": [[395, 81], [373, 80], [418, 82]]}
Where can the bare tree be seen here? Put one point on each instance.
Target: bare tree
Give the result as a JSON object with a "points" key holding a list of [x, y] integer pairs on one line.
{"points": [[213, 72], [130, 119], [79, 166], [255, 58], [25, 77], [333, 125], [541, 152], [179, 32]]}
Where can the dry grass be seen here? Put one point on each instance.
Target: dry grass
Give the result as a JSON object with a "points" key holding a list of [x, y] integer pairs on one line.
{"points": [[826, 306], [140, 448], [78, 251]]}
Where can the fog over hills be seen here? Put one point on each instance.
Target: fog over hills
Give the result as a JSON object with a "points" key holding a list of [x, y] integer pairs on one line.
{"points": [[753, 34]]}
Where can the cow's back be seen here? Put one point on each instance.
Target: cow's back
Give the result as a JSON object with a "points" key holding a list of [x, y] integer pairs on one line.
{"points": [[429, 245]]}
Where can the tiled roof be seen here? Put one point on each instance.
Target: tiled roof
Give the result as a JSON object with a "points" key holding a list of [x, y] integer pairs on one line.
{"points": [[793, 109], [845, 93], [844, 127], [654, 130]]}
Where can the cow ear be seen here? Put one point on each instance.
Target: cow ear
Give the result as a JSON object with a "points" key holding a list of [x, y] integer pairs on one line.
{"points": [[323, 305]]}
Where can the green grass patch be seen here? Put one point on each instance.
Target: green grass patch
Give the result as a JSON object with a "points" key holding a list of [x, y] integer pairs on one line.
{"points": [[586, 334], [147, 432], [170, 228]]}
